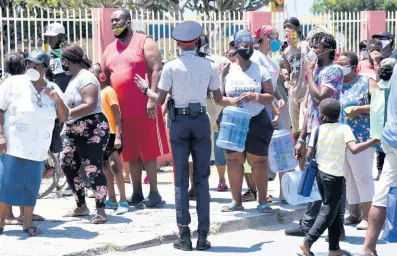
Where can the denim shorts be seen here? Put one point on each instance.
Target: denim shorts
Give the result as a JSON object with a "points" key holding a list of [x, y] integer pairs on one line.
{"points": [[20, 180], [220, 157]]}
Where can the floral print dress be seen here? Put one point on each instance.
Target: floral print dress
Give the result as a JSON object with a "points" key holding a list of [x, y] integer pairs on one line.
{"points": [[354, 95]]}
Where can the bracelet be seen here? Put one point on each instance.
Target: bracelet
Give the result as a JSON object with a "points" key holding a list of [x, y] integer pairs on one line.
{"points": [[144, 90], [301, 141], [256, 96]]}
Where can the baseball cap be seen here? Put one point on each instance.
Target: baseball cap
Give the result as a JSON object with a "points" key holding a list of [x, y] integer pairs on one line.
{"points": [[54, 29], [384, 34], [39, 57]]}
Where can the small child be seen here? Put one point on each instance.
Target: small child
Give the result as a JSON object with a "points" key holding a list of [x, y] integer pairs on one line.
{"points": [[333, 139], [111, 160]]}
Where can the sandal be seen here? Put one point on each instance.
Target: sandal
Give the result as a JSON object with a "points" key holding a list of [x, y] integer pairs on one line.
{"points": [[35, 217], [222, 187], [16, 221], [77, 213], [344, 253], [32, 231], [232, 208], [265, 208], [98, 219]]}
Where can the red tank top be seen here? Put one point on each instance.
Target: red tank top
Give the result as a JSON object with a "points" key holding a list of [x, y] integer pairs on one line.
{"points": [[124, 62]]}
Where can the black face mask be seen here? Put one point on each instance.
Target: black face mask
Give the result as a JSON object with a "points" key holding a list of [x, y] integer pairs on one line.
{"points": [[385, 73], [65, 68], [245, 53]]}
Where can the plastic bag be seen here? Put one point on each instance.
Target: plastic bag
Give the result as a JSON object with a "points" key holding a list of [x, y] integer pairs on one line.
{"points": [[390, 229], [378, 111]]}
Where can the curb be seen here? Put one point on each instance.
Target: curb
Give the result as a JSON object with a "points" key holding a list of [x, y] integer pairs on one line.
{"points": [[216, 228]]}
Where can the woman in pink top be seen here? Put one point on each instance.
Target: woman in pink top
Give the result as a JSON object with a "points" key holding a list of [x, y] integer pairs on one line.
{"points": [[370, 66]]}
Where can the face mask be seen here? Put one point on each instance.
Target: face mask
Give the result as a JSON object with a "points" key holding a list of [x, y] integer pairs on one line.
{"points": [[275, 45], [364, 54], [385, 43], [118, 31], [33, 74], [346, 70], [293, 38], [245, 53], [311, 56]]}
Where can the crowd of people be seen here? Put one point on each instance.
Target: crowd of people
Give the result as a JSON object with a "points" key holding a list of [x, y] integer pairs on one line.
{"points": [[114, 114]]}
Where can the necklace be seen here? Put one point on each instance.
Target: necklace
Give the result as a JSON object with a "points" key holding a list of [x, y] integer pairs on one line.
{"points": [[38, 95]]}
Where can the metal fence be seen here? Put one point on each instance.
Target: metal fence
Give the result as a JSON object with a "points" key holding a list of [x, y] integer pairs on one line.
{"points": [[345, 26], [22, 29]]}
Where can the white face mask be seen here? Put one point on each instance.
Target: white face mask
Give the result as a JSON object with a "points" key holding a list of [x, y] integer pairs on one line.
{"points": [[385, 43], [33, 74], [346, 70], [311, 56]]}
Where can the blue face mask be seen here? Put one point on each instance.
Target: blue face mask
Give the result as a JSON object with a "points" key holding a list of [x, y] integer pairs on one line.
{"points": [[275, 45]]}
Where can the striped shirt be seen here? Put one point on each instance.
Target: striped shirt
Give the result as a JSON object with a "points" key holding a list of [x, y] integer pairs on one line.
{"points": [[331, 147], [189, 76]]}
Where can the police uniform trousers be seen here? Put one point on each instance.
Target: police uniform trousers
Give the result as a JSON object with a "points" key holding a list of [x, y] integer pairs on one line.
{"points": [[191, 135]]}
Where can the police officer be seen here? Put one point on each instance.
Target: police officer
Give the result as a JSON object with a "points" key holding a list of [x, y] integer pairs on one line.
{"points": [[188, 78]]}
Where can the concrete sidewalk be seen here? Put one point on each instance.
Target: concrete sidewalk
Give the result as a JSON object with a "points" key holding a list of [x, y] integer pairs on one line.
{"points": [[135, 229]]}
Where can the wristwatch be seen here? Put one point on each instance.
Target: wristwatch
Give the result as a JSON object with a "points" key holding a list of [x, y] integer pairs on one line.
{"points": [[301, 141], [144, 90]]}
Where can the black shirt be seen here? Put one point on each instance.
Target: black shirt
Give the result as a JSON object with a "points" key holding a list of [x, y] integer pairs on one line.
{"points": [[56, 74]]}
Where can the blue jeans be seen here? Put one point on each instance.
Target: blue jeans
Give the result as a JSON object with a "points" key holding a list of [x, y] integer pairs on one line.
{"points": [[220, 157]]}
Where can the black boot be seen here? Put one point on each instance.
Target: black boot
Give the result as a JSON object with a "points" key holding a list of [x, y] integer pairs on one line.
{"points": [[184, 242], [202, 243]]}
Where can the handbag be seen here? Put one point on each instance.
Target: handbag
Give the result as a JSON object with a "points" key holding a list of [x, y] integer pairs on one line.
{"points": [[56, 141], [390, 229], [310, 170], [378, 111]]}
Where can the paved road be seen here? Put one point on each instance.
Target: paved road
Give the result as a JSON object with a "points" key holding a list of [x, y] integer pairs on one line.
{"points": [[265, 241]]}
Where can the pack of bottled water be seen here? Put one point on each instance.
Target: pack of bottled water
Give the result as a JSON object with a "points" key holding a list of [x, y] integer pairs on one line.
{"points": [[281, 152], [233, 129]]}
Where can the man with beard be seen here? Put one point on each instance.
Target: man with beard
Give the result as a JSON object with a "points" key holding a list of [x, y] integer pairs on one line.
{"points": [[144, 137]]}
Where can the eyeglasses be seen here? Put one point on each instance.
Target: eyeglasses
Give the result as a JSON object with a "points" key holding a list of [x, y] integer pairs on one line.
{"points": [[39, 102]]}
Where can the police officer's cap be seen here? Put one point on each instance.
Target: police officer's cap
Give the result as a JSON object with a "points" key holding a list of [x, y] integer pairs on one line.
{"points": [[187, 32]]}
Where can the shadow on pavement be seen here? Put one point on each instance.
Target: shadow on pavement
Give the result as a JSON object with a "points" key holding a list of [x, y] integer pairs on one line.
{"points": [[232, 249]]}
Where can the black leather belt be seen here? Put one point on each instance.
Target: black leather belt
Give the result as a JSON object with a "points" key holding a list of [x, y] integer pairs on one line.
{"points": [[186, 111]]}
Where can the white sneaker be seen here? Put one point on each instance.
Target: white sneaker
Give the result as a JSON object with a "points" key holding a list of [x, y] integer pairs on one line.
{"points": [[122, 208], [90, 193], [67, 192]]}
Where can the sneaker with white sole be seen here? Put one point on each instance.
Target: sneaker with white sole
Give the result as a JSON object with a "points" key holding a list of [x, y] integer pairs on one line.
{"points": [[111, 205], [67, 192], [123, 207]]}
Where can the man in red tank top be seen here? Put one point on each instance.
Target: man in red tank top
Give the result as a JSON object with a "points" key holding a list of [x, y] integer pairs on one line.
{"points": [[142, 122]]}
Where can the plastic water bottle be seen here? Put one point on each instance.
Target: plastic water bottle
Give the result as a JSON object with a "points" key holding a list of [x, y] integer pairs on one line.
{"points": [[233, 129], [290, 184], [281, 152]]}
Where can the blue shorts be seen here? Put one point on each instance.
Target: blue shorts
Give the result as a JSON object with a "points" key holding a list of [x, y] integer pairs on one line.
{"points": [[220, 157], [20, 180]]}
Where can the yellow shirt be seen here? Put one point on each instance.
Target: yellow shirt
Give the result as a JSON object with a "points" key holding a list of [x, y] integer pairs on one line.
{"points": [[108, 99], [331, 147]]}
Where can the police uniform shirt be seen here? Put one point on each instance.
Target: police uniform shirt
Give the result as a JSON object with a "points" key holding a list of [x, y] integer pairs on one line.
{"points": [[189, 76]]}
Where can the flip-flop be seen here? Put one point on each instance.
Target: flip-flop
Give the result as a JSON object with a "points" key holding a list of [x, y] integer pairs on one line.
{"points": [[35, 229], [77, 213], [265, 208], [232, 208], [98, 219], [35, 217], [13, 222]]}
